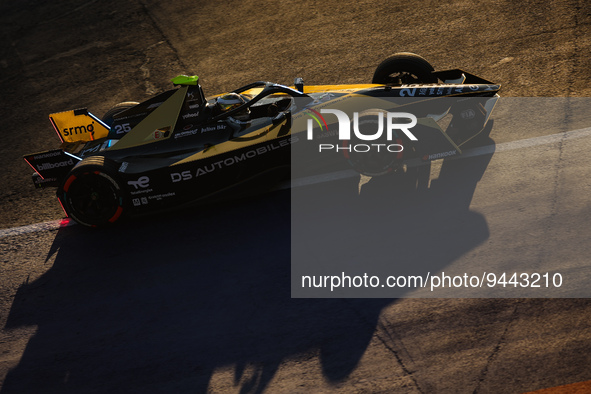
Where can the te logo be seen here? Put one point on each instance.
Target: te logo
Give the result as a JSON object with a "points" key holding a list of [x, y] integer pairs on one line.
{"points": [[142, 182], [392, 123]]}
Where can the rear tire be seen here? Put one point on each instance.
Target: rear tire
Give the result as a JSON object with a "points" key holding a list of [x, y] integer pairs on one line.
{"points": [[117, 109], [91, 193], [404, 68]]}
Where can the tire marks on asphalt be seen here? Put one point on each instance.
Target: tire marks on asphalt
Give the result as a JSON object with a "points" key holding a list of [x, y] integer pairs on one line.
{"points": [[497, 349]]}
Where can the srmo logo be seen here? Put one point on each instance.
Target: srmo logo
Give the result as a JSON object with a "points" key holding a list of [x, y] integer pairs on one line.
{"points": [[344, 123]]}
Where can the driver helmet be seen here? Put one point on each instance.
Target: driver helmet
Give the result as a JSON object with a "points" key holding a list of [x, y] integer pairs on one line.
{"points": [[229, 101]]}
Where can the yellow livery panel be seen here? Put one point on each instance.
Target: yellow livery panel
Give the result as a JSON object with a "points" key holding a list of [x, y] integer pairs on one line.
{"points": [[78, 125]]}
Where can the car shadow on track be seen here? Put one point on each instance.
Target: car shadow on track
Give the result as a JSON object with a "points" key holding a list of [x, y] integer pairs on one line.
{"points": [[402, 225], [162, 303]]}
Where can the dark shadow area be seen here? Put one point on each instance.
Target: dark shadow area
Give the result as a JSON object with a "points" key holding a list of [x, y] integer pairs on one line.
{"points": [[160, 303], [398, 225]]}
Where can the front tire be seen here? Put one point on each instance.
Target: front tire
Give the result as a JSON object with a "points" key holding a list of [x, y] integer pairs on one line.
{"points": [[404, 68], [91, 193]]}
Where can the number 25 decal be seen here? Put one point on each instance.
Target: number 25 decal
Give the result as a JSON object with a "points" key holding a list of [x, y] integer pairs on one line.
{"points": [[122, 128]]}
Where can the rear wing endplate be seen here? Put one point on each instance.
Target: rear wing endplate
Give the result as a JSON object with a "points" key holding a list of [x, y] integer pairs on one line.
{"points": [[78, 125], [50, 166]]}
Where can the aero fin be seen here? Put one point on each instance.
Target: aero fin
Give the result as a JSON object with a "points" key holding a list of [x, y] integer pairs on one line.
{"points": [[156, 126], [185, 80]]}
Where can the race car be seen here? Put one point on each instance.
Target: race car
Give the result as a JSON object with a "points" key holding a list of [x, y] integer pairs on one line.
{"points": [[182, 147]]}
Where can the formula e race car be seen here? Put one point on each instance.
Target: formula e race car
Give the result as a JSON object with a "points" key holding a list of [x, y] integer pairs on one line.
{"points": [[181, 147]]}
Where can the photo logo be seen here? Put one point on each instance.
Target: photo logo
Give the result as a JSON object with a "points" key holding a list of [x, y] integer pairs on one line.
{"points": [[394, 121], [315, 115]]}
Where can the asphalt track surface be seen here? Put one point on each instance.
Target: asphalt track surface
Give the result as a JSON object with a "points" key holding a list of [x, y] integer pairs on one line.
{"points": [[200, 300]]}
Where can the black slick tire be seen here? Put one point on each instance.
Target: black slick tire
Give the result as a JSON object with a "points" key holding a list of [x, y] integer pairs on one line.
{"points": [[91, 193], [404, 68]]}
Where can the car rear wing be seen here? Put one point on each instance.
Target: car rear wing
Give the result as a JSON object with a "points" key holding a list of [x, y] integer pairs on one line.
{"points": [[78, 125], [73, 128], [50, 166]]}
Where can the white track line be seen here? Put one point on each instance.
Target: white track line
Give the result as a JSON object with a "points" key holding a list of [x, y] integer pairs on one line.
{"points": [[32, 228], [484, 150]]}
